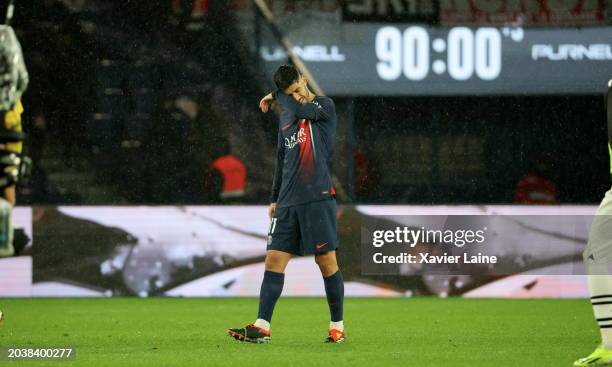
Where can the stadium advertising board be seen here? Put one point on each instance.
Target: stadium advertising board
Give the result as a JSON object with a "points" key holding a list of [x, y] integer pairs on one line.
{"points": [[219, 252], [384, 10], [543, 12], [525, 12], [16, 273], [447, 12], [378, 59]]}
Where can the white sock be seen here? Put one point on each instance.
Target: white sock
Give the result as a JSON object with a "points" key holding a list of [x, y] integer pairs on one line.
{"points": [[338, 325], [261, 323], [600, 287]]}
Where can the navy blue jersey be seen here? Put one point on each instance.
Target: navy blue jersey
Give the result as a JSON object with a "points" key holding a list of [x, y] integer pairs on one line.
{"points": [[306, 136]]}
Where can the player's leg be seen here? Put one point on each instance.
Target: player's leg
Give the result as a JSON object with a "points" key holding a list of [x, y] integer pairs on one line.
{"points": [[600, 288], [598, 262], [271, 286], [271, 289], [283, 241], [319, 237], [334, 289]]}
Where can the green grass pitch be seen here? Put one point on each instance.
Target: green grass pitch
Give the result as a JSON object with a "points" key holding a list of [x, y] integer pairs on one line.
{"points": [[381, 332]]}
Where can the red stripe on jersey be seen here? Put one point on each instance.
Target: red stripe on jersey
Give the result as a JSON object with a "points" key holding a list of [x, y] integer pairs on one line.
{"points": [[306, 167]]}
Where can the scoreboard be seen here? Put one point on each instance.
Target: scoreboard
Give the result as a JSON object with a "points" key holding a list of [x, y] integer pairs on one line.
{"points": [[365, 59]]}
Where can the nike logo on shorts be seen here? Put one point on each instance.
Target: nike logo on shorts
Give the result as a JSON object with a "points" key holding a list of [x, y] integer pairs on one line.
{"points": [[320, 245]]}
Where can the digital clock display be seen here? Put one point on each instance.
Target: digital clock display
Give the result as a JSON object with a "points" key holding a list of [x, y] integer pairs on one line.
{"points": [[463, 54]]}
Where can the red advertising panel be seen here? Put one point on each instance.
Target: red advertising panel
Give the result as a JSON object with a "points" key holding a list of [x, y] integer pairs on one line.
{"points": [[523, 12]]}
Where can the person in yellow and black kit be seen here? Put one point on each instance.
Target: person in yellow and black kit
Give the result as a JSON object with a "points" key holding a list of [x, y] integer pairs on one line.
{"points": [[12, 144], [13, 83]]}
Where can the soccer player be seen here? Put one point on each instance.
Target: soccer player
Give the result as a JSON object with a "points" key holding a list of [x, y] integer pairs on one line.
{"points": [[598, 262], [303, 204], [13, 83]]}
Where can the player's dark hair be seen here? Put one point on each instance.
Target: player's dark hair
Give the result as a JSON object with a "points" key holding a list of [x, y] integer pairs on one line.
{"points": [[285, 75]]}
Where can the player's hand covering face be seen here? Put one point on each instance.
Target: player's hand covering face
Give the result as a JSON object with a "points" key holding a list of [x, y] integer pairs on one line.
{"points": [[299, 90]]}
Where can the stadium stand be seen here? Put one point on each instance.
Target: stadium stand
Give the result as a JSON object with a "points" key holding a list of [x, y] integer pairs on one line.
{"points": [[149, 106], [140, 97]]}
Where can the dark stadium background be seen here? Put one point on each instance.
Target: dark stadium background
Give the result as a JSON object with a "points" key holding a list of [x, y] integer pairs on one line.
{"points": [[101, 128]]}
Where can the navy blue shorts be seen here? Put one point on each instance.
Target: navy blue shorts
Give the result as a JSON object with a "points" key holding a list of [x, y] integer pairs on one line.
{"points": [[304, 229]]}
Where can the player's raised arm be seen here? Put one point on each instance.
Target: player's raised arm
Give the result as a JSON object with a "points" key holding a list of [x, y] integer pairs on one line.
{"points": [[315, 111], [311, 110]]}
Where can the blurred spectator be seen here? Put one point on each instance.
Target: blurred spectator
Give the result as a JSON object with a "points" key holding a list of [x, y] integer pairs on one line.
{"points": [[190, 13], [226, 180], [536, 188]]}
